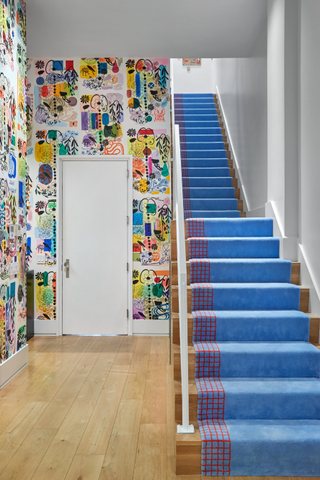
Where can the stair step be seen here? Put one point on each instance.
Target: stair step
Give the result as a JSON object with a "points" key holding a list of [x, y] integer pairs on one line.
{"points": [[250, 227], [210, 203], [228, 247], [193, 182], [215, 213], [213, 192], [261, 398], [188, 146], [259, 448], [253, 398], [252, 325], [216, 162], [240, 270], [303, 307], [295, 269], [206, 172], [257, 359], [197, 129], [208, 153], [204, 192]]}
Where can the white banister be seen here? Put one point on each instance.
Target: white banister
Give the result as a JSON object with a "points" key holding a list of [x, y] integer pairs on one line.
{"points": [[182, 285]]}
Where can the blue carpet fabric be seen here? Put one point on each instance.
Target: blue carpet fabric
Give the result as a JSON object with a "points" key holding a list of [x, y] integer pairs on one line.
{"points": [[257, 375]]}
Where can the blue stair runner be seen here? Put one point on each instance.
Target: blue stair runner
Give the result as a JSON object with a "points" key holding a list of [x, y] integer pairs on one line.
{"points": [[256, 373]]}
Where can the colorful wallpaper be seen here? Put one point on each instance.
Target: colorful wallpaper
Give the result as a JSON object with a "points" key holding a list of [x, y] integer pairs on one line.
{"points": [[14, 177], [102, 106]]}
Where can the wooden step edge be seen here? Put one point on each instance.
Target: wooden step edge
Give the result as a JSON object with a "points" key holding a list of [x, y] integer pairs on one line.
{"points": [[176, 329], [188, 452], [314, 329], [295, 273]]}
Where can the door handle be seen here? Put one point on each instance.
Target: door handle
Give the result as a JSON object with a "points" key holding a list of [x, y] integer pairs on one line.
{"points": [[67, 267]]}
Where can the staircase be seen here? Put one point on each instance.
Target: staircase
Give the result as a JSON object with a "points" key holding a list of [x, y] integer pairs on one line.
{"points": [[254, 387]]}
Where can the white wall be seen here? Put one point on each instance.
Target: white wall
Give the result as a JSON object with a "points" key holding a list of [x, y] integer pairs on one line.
{"points": [[242, 84], [200, 79], [310, 163], [276, 137]]}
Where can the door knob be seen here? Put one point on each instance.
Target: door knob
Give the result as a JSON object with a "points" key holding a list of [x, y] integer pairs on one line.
{"points": [[67, 267]]}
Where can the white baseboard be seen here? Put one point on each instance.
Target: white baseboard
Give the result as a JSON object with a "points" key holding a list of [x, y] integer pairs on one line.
{"points": [[13, 365], [45, 327], [307, 280], [288, 245], [151, 327]]}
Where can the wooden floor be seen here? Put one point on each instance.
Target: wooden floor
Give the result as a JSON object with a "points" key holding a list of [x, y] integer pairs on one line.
{"points": [[90, 408]]}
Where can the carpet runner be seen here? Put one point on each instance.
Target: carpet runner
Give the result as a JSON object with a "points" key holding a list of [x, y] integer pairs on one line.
{"points": [[256, 373]]}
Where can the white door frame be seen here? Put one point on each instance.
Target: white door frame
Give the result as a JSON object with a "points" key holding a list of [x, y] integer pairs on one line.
{"points": [[88, 158]]}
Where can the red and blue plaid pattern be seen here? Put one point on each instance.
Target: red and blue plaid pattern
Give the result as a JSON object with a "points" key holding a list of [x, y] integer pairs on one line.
{"points": [[207, 359], [195, 227], [187, 214], [199, 270], [204, 326], [186, 204], [184, 171], [198, 248], [216, 448], [211, 399], [202, 296], [185, 181], [186, 192]]}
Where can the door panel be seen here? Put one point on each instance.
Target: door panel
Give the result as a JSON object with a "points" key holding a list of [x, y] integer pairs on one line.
{"points": [[95, 243]]}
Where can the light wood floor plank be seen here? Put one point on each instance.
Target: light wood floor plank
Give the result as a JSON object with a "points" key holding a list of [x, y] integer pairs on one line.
{"points": [[151, 454], [85, 467], [121, 453], [27, 457], [62, 401], [59, 456], [17, 431], [96, 437]]}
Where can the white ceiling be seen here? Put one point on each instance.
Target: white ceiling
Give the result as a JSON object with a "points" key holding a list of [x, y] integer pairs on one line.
{"points": [[145, 28]]}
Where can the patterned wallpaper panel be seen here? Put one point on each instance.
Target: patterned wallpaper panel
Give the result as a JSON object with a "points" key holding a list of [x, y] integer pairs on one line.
{"points": [[102, 106], [14, 177]]}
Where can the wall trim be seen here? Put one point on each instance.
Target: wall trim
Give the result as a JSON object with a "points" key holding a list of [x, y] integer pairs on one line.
{"points": [[288, 245], [151, 327], [246, 204], [11, 367], [45, 327], [308, 280]]}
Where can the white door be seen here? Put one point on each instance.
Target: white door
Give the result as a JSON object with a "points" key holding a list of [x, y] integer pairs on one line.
{"points": [[95, 242]]}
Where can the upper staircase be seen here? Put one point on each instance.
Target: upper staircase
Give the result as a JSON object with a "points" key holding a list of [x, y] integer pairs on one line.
{"points": [[254, 387]]}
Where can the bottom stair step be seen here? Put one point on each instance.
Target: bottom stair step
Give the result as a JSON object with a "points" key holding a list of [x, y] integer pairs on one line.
{"points": [[258, 448]]}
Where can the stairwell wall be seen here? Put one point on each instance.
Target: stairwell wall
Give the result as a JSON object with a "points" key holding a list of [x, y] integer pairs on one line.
{"points": [[309, 247], [242, 83]]}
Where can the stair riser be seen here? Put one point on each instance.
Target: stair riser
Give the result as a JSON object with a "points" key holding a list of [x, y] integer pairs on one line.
{"points": [[211, 204], [213, 214], [206, 154], [209, 193], [207, 163], [198, 146], [304, 300], [227, 228], [210, 182], [198, 129]]}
